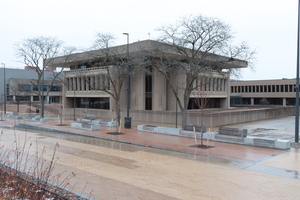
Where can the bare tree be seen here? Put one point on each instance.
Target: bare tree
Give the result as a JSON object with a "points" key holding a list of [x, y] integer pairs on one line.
{"points": [[201, 100], [197, 45], [17, 91], [112, 62], [37, 53]]}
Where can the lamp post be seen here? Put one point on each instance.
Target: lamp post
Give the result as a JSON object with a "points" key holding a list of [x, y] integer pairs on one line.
{"points": [[297, 81], [42, 112], [74, 102], [127, 123], [4, 87], [176, 106]]}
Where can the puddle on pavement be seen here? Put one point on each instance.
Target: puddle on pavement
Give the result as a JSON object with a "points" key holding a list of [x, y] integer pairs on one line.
{"points": [[275, 171]]}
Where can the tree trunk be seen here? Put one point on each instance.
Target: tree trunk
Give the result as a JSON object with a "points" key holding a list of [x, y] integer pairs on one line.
{"points": [[184, 117], [117, 109], [201, 126]]}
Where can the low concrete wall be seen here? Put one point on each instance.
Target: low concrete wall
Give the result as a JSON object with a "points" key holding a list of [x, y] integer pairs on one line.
{"points": [[211, 118]]}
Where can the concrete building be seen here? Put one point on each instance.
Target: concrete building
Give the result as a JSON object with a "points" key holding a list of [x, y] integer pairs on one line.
{"points": [[262, 92], [150, 94], [19, 87]]}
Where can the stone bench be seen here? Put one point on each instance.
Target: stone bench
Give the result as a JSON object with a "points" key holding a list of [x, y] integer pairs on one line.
{"points": [[30, 116], [268, 142], [159, 129], [84, 121], [105, 123], [191, 127], [13, 115], [188, 130], [264, 142], [231, 134], [85, 126], [90, 117], [87, 119]]}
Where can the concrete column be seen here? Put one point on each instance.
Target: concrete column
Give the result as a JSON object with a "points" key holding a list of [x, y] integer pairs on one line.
{"points": [[96, 82], [252, 101], [215, 81], [223, 85], [88, 83], [83, 83], [74, 84], [78, 88], [284, 102]]}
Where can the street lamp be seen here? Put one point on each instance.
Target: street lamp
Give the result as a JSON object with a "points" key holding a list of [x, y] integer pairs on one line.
{"points": [[127, 123], [42, 112], [297, 81], [74, 102], [4, 87]]}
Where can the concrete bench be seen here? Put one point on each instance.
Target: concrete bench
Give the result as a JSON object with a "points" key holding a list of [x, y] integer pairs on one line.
{"points": [[15, 114], [149, 128], [90, 117], [84, 121], [268, 142], [231, 134], [85, 126], [264, 142], [30, 116], [87, 119], [188, 130], [105, 123], [191, 127], [159, 129]]}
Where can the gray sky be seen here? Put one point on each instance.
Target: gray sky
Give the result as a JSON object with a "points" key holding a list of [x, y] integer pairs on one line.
{"points": [[269, 26]]}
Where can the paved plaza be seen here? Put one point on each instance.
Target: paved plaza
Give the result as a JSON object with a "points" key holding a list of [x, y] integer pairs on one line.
{"points": [[141, 165]]}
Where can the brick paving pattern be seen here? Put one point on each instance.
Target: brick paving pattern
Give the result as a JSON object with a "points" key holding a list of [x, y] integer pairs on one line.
{"points": [[228, 171]]}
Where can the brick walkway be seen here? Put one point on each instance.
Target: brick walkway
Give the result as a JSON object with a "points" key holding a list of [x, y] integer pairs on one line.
{"points": [[174, 143], [229, 171]]}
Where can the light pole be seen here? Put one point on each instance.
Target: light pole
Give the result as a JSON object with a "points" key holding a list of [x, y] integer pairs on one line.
{"points": [[42, 111], [176, 106], [297, 81], [74, 102], [4, 87], [127, 123]]}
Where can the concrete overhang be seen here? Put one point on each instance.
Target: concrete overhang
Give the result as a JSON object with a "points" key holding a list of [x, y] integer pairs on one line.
{"points": [[138, 48]]}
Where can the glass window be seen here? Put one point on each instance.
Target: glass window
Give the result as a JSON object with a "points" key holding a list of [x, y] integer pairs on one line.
{"points": [[96, 103]]}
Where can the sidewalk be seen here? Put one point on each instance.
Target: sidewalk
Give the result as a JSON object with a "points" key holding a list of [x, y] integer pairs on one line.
{"points": [[226, 171], [220, 150]]}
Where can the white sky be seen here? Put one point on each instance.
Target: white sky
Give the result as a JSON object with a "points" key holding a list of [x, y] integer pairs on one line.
{"points": [[269, 26]]}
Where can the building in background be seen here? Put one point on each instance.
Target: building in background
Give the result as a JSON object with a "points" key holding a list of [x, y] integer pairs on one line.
{"points": [[150, 93], [19, 85], [263, 92]]}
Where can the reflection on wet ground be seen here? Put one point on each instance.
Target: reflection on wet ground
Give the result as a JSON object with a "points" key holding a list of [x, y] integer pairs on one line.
{"points": [[275, 171], [252, 166], [281, 128], [133, 148]]}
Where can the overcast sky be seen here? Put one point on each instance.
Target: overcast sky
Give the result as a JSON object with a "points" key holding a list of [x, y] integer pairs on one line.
{"points": [[269, 26]]}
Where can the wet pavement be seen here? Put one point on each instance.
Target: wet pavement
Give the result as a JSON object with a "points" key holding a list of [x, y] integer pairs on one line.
{"points": [[282, 128], [141, 165]]}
